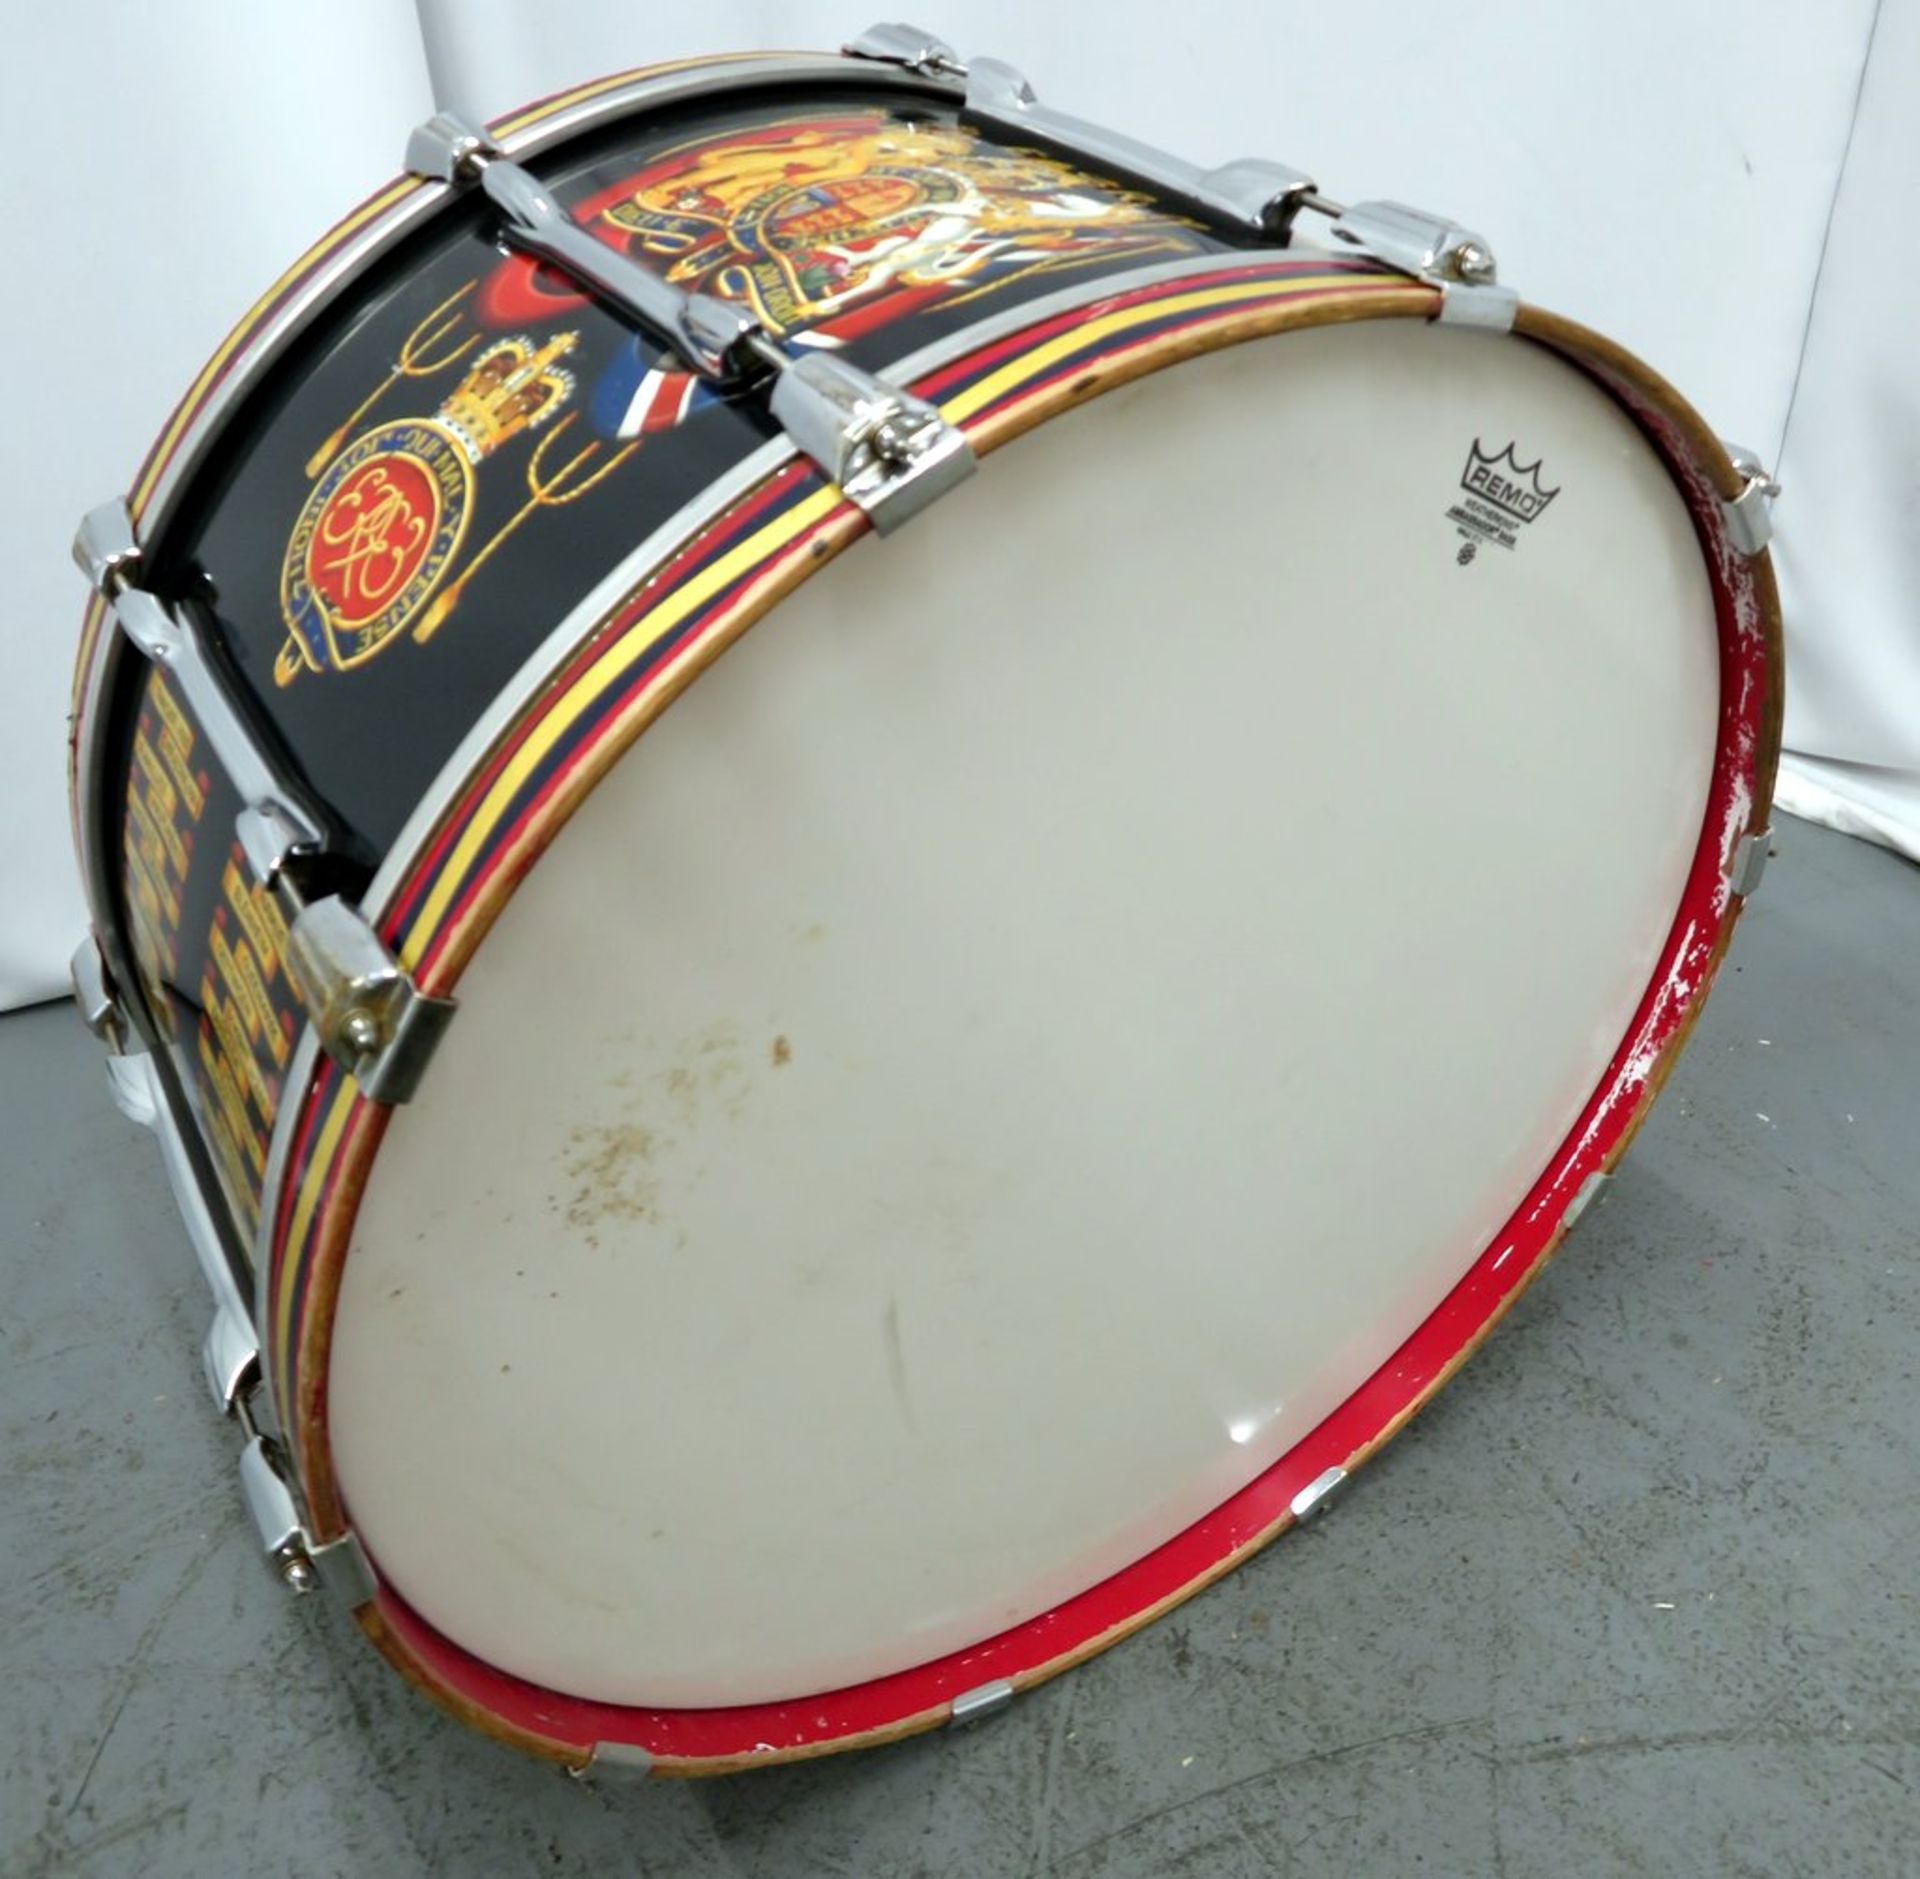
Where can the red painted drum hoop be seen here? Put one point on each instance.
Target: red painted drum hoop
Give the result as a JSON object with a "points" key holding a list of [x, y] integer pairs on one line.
{"points": [[691, 1741]]}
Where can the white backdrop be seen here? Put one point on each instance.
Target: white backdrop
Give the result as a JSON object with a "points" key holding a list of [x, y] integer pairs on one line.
{"points": [[1849, 552], [170, 159], [1662, 169]]}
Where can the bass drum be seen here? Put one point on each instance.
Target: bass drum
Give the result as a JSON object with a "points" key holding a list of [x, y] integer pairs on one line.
{"points": [[951, 1124]]}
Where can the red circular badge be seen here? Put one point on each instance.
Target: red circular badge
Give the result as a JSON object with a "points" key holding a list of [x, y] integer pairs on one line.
{"points": [[370, 539]]}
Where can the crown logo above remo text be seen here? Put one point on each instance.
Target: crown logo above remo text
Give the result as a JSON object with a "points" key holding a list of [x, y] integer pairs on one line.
{"points": [[1512, 487]]}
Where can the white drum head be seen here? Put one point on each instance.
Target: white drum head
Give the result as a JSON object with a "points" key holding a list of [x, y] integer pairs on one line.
{"points": [[1032, 1029]]}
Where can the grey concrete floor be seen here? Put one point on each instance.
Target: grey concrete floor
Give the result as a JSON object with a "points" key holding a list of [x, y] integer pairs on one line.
{"points": [[1639, 1594]]}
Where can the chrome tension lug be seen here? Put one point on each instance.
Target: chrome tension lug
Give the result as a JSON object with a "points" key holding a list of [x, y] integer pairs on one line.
{"points": [[1437, 250], [447, 149], [626, 1760], [1317, 1496], [977, 1705], [98, 997], [720, 333], [368, 1014], [1250, 197], [272, 826], [106, 548], [1264, 195], [891, 453], [149, 623], [911, 47], [1588, 1195], [997, 91], [1749, 515], [270, 836], [302, 1564], [1750, 861], [230, 1358], [270, 1503]]}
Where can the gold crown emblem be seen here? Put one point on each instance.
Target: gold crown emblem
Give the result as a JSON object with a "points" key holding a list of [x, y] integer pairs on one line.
{"points": [[512, 387]]}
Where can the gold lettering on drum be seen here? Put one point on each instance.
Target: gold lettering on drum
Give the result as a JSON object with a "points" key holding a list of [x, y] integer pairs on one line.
{"points": [[174, 744], [260, 918], [246, 1036], [241, 1012], [163, 805], [219, 1117]]}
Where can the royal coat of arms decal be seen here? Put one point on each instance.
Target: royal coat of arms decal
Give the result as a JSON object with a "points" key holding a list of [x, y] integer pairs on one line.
{"points": [[828, 226]]}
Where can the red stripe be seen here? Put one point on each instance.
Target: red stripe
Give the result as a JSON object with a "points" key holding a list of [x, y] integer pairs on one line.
{"points": [[504, 844], [1076, 363], [977, 364], [343, 1156], [185, 413], [313, 1100], [703, 548]]}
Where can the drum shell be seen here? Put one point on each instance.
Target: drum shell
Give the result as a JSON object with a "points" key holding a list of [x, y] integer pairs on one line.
{"points": [[308, 1140], [529, 515]]}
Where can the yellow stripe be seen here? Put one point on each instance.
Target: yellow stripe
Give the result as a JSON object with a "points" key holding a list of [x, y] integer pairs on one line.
{"points": [[530, 115], [317, 1165], [759, 547], [189, 405], [964, 404], [83, 659], [604, 671], [338, 235], [737, 561]]}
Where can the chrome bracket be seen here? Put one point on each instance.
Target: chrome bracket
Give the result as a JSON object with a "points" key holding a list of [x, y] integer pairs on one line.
{"points": [[106, 547], [98, 997], [304, 1565], [977, 1705], [896, 43], [1750, 861], [1434, 249], [230, 1355], [446, 149], [1587, 1195], [1318, 1494], [626, 1759], [890, 453], [1249, 197], [369, 1016], [272, 826], [1749, 516], [366, 1010]]}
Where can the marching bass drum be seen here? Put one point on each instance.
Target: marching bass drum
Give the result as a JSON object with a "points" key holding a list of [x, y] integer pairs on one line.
{"points": [[795, 1131]]}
